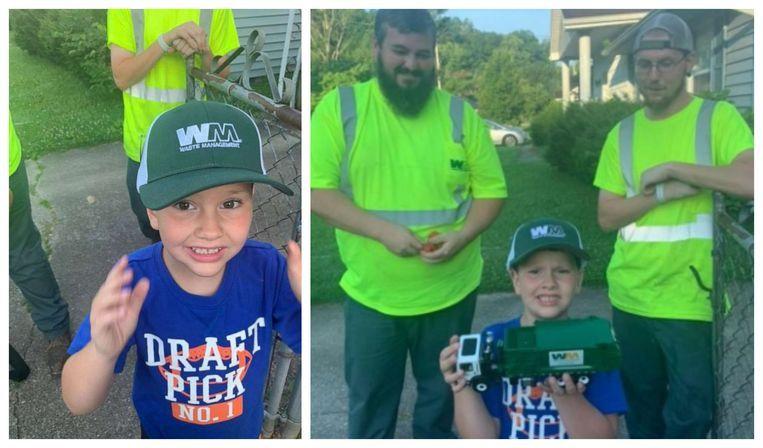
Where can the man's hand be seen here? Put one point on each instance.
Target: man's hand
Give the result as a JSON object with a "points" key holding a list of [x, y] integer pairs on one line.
{"points": [[455, 378], [551, 386], [446, 246], [735, 179], [674, 189], [187, 39], [653, 176], [399, 240], [294, 268], [115, 310]]}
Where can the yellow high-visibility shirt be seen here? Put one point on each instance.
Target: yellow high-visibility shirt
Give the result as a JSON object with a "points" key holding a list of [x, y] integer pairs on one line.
{"points": [[14, 153], [164, 86], [411, 171], [649, 272]]}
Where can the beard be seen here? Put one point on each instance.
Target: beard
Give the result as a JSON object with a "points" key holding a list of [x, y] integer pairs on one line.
{"points": [[408, 101], [662, 103]]}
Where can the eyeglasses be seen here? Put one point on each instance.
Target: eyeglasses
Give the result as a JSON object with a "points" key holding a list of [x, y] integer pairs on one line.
{"points": [[663, 65]]}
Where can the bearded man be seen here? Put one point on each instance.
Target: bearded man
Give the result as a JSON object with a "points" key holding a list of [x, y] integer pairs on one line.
{"points": [[656, 175], [409, 177]]}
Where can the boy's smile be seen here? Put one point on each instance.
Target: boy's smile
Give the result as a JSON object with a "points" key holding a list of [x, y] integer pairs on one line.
{"points": [[202, 232], [546, 283], [207, 254]]}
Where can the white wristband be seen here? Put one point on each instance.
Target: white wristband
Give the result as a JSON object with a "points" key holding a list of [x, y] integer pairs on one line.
{"points": [[659, 193], [162, 44]]}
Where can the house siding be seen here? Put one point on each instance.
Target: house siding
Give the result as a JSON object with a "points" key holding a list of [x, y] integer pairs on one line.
{"points": [[273, 23], [739, 60], [724, 47]]}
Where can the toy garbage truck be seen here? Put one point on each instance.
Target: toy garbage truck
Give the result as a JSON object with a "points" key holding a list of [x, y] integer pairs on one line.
{"points": [[579, 347]]}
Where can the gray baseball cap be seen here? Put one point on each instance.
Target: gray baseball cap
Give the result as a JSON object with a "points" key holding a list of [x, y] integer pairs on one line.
{"points": [[680, 36], [545, 234]]}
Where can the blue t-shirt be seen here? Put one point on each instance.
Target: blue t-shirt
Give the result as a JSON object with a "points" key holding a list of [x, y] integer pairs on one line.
{"points": [[202, 361], [529, 413]]}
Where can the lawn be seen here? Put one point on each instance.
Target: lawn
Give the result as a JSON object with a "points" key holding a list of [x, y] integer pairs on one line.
{"points": [[535, 190], [53, 110]]}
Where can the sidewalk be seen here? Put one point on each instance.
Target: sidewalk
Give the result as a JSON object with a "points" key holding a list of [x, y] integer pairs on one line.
{"points": [[81, 207], [328, 415]]}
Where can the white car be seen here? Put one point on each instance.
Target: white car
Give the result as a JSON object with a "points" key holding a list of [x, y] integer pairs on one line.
{"points": [[506, 135]]}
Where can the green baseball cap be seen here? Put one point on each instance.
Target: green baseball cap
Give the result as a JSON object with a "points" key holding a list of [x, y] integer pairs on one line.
{"points": [[545, 233], [197, 146]]}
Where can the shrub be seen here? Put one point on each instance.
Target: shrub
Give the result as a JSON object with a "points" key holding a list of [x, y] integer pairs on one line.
{"points": [[576, 140], [74, 39], [723, 95], [337, 74], [541, 124], [25, 24], [749, 117]]}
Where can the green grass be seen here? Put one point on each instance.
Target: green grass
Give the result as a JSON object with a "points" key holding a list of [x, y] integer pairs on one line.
{"points": [[535, 190], [53, 110]]}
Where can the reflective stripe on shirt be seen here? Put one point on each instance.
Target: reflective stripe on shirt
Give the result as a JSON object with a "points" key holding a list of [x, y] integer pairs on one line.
{"points": [[425, 217], [144, 92], [700, 229], [403, 217], [141, 90]]}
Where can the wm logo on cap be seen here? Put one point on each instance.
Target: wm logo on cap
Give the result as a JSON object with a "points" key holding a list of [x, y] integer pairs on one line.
{"points": [[548, 230], [207, 135]]}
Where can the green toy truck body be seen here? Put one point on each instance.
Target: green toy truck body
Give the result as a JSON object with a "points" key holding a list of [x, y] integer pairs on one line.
{"points": [[579, 347]]}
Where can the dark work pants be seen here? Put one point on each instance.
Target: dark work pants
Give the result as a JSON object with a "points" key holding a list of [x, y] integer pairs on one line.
{"points": [[667, 375], [376, 348], [135, 203], [29, 267]]}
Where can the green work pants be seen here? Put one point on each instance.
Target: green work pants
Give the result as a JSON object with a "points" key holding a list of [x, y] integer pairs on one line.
{"points": [[136, 204], [28, 263], [667, 373], [376, 348]]}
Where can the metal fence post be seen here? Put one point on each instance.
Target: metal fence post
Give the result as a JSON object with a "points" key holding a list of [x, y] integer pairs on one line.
{"points": [[190, 82]]}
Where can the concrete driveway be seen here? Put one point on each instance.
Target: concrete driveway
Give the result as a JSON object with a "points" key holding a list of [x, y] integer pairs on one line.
{"points": [[81, 207], [328, 416]]}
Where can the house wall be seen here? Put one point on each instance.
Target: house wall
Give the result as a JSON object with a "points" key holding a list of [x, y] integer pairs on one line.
{"points": [[724, 44], [273, 23], [618, 80], [599, 77], [708, 41], [611, 79], [738, 60]]}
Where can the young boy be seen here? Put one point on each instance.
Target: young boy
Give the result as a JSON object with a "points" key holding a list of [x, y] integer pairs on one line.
{"points": [[200, 305], [546, 267]]}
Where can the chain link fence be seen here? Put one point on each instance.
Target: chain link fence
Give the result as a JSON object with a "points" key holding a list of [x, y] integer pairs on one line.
{"points": [[733, 314], [276, 219]]}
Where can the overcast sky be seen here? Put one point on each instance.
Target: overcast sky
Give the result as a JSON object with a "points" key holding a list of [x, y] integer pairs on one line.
{"points": [[505, 21]]}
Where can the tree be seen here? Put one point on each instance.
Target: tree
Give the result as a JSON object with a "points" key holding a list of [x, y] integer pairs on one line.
{"points": [[518, 80], [338, 33], [340, 49], [463, 52]]}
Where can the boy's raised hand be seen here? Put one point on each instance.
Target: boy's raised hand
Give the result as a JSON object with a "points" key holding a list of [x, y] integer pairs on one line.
{"points": [[447, 366], [294, 267], [115, 310]]}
